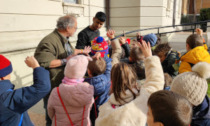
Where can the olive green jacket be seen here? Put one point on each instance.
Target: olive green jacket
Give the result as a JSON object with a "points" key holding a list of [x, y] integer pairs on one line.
{"points": [[50, 48]]}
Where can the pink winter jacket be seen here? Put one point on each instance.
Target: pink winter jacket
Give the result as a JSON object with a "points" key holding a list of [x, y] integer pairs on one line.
{"points": [[75, 97]]}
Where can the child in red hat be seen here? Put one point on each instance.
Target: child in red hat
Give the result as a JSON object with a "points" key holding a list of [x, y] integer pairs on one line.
{"points": [[14, 103], [99, 45]]}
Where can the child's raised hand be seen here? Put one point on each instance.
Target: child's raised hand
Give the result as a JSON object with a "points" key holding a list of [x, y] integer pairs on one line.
{"points": [[139, 37], [97, 55], [109, 42], [122, 40], [199, 31], [87, 50], [145, 48], [110, 34], [31, 62], [138, 34]]}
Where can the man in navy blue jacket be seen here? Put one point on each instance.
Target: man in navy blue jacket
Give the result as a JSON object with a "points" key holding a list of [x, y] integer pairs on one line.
{"points": [[14, 103]]}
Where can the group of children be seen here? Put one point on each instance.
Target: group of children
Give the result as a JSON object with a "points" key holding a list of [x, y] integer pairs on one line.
{"points": [[104, 90]]}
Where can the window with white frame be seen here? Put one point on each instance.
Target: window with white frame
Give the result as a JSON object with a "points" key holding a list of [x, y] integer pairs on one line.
{"points": [[71, 1], [73, 7]]}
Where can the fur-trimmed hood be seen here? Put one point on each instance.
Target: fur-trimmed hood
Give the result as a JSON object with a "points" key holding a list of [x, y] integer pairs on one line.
{"points": [[132, 113]]}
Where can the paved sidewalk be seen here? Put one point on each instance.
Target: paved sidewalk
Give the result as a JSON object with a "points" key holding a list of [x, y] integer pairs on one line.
{"points": [[37, 114]]}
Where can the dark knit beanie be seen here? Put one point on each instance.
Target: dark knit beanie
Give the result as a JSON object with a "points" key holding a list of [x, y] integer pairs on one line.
{"points": [[151, 38]]}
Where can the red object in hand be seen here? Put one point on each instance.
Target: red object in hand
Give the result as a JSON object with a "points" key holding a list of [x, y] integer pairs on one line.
{"points": [[128, 40]]}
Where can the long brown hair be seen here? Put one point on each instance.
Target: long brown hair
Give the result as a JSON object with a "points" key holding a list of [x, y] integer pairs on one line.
{"points": [[123, 78]]}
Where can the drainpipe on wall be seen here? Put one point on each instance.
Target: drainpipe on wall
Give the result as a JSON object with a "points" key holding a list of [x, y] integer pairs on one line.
{"points": [[201, 6], [89, 12], [107, 4], [188, 6], [174, 14], [195, 11]]}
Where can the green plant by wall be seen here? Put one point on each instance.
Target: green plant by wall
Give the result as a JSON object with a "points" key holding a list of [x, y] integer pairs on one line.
{"points": [[185, 19], [204, 15], [208, 92], [189, 18]]}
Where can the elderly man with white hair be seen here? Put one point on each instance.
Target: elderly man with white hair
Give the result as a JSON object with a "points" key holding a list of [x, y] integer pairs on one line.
{"points": [[55, 50]]}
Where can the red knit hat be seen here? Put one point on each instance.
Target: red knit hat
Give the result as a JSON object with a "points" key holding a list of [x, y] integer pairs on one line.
{"points": [[5, 66], [98, 44]]}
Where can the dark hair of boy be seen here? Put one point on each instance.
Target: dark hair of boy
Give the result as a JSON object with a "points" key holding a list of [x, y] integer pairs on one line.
{"points": [[101, 16], [194, 40], [170, 108], [97, 66], [136, 54], [163, 48], [123, 78]]}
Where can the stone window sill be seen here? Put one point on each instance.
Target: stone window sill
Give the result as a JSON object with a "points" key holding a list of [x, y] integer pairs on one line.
{"points": [[77, 9]]}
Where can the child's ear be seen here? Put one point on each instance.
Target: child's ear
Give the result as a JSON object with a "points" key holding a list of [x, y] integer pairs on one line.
{"points": [[89, 73], [187, 47], [130, 59], [94, 19], [8, 77], [159, 124]]}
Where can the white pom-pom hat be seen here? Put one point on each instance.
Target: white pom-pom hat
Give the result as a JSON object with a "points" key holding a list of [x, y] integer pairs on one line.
{"points": [[193, 85]]}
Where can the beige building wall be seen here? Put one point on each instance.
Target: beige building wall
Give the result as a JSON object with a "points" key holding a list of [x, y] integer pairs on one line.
{"points": [[140, 14], [24, 23]]}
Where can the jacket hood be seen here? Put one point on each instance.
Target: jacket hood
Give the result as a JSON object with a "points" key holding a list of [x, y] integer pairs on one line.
{"points": [[127, 97], [77, 95], [132, 113], [97, 79], [196, 55], [100, 83]]}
